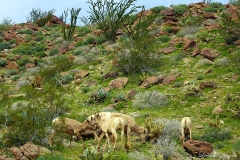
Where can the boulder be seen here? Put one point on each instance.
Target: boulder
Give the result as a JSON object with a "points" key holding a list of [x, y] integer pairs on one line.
{"points": [[198, 148], [169, 79], [118, 83], [209, 54]]}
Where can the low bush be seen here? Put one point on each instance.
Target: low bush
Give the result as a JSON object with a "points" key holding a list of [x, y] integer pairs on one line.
{"points": [[180, 9], [10, 73], [83, 30], [26, 31], [23, 61], [150, 99], [199, 76], [3, 62], [158, 9], [40, 54], [53, 52], [89, 40], [23, 49], [164, 38], [50, 157], [136, 155], [212, 135], [5, 45], [221, 62], [164, 146], [189, 30], [101, 39]]}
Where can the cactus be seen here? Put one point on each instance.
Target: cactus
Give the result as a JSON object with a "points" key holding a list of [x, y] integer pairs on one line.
{"points": [[155, 128], [90, 154]]}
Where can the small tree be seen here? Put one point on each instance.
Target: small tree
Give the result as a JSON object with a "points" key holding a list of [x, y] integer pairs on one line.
{"points": [[68, 33], [110, 15]]}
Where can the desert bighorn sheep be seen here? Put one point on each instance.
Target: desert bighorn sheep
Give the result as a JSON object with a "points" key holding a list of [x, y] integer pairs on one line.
{"points": [[131, 125], [186, 129], [110, 126], [71, 127]]}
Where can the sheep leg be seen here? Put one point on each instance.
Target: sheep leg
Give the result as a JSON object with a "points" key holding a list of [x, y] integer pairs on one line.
{"points": [[127, 135], [79, 136], [100, 139], [51, 137], [115, 138], [107, 141]]}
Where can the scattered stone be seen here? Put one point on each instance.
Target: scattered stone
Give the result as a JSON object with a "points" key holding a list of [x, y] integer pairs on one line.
{"points": [[207, 85], [217, 110], [209, 54], [169, 79], [131, 94], [167, 50], [118, 83]]}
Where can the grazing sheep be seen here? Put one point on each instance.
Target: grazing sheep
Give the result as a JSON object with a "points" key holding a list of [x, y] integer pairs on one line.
{"points": [[71, 127], [110, 126], [186, 129], [132, 126]]}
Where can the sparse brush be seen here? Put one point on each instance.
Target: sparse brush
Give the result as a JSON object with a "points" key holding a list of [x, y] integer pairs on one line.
{"points": [[203, 62], [153, 99], [212, 135], [191, 90], [165, 146], [221, 62], [189, 30], [99, 95], [136, 155], [170, 128]]}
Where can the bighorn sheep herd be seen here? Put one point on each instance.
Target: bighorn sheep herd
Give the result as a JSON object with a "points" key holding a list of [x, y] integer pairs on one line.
{"points": [[109, 123]]}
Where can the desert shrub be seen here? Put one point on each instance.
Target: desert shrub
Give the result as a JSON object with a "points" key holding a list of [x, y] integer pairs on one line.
{"points": [[217, 5], [164, 38], [210, 9], [83, 30], [99, 95], [15, 78], [177, 84], [164, 146], [110, 15], [63, 79], [234, 2], [22, 68], [53, 52], [236, 147], [170, 128], [149, 99], [85, 89], [23, 49], [77, 52], [78, 43], [221, 62], [1, 39], [132, 18], [5, 45], [80, 60], [89, 40], [199, 76], [6, 23], [26, 31], [235, 59], [85, 20], [104, 51], [167, 29], [158, 9], [3, 62], [101, 39], [189, 30], [136, 155], [191, 21], [212, 135], [178, 57], [10, 73], [180, 9], [191, 90], [23, 61], [39, 37], [50, 157], [203, 62], [40, 54]]}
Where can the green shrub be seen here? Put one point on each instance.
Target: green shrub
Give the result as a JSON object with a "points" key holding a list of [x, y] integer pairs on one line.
{"points": [[104, 51], [177, 84], [167, 29], [189, 30], [39, 37], [83, 31], [199, 76], [137, 155], [38, 47], [100, 95], [23, 61], [149, 99], [217, 5], [89, 40], [210, 10], [132, 18], [101, 39], [12, 41], [26, 31], [164, 38], [1, 39], [77, 52], [53, 52], [10, 73], [5, 45], [180, 9], [221, 62], [234, 2], [22, 68], [62, 80], [24, 49], [15, 78], [191, 90], [79, 43], [190, 21], [179, 56], [212, 135], [85, 89], [236, 147], [3, 62], [40, 54], [158, 9]]}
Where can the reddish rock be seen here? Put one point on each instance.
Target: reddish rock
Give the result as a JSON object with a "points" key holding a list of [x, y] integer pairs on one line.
{"points": [[145, 13], [119, 32], [189, 45], [20, 39], [167, 50], [208, 15], [209, 54], [30, 65], [118, 83], [10, 35], [198, 148], [169, 79], [31, 26], [233, 11], [237, 42], [196, 52], [131, 94], [12, 65], [56, 20], [208, 85], [17, 153], [110, 74], [170, 22], [150, 81], [169, 12], [97, 32]]}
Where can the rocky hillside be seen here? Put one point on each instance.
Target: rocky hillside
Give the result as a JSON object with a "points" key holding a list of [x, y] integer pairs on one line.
{"points": [[197, 75]]}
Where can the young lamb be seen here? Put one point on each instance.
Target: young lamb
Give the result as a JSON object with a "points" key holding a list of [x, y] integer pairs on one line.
{"points": [[132, 126], [110, 126], [71, 127], [186, 129]]}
